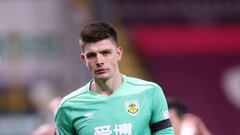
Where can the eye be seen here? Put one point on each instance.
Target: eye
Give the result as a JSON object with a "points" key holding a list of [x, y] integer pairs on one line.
{"points": [[106, 52], [91, 55]]}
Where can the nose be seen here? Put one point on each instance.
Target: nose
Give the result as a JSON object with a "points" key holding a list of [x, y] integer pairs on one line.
{"points": [[99, 60]]}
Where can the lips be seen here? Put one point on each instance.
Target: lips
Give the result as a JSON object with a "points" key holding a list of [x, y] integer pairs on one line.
{"points": [[101, 71]]}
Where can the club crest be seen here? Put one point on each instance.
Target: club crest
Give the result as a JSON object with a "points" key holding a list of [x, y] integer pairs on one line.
{"points": [[132, 107]]}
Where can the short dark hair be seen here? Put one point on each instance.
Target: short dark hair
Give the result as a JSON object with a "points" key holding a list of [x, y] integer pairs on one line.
{"points": [[178, 106], [97, 31]]}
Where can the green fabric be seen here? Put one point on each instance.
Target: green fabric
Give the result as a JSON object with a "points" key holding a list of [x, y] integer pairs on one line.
{"points": [[128, 111]]}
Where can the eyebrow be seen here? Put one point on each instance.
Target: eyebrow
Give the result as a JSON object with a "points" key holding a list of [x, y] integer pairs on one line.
{"points": [[106, 50]]}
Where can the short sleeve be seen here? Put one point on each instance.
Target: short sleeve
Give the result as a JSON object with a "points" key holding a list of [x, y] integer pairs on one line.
{"points": [[63, 122], [160, 123]]}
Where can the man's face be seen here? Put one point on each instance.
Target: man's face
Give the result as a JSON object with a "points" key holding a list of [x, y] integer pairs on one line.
{"points": [[102, 58]]}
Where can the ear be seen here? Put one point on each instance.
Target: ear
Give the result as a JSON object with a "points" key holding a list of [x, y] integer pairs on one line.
{"points": [[82, 56], [119, 53]]}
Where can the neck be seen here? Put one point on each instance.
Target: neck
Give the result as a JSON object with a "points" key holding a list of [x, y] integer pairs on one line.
{"points": [[108, 86]]}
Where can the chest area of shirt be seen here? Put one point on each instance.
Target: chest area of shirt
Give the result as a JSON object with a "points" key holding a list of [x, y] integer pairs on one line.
{"points": [[121, 115]]}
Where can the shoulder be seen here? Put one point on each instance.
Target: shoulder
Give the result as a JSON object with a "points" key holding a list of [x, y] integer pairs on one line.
{"points": [[141, 85], [137, 82], [70, 97], [68, 103]]}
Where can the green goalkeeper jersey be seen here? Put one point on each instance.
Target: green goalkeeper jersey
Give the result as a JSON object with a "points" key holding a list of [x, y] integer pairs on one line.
{"points": [[137, 107]]}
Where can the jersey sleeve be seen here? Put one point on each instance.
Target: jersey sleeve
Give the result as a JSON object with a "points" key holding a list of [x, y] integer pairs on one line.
{"points": [[63, 122], [160, 123]]}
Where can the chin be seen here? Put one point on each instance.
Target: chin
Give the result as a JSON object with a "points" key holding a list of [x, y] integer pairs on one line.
{"points": [[103, 76]]}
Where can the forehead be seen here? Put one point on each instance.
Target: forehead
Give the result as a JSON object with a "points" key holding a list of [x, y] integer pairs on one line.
{"points": [[106, 44]]}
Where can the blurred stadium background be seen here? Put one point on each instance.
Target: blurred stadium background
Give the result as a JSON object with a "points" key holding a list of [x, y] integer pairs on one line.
{"points": [[189, 47]]}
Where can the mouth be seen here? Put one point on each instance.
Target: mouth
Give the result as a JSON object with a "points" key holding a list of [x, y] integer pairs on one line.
{"points": [[101, 71]]}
